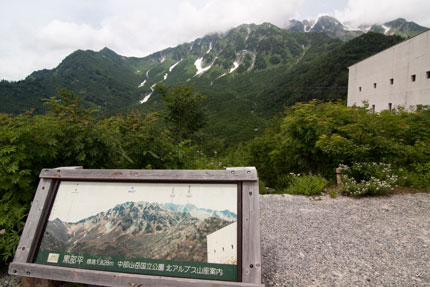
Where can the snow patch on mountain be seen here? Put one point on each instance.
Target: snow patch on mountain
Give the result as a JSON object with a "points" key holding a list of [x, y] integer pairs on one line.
{"points": [[386, 29], [200, 69], [219, 77], [165, 76], [174, 65], [142, 84], [146, 98], [309, 24], [248, 29], [235, 66], [210, 48]]}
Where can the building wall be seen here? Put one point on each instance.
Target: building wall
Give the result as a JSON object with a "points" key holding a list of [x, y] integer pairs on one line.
{"points": [[391, 71], [222, 245]]}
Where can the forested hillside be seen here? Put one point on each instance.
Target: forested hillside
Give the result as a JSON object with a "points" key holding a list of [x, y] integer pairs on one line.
{"points": [[246, 75], [324, 77]]}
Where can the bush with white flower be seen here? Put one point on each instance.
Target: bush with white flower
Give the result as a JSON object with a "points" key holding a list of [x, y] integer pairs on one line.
{"points": [[368, 178]]}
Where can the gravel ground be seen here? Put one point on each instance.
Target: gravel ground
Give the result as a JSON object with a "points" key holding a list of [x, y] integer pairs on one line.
{"points": [[383, 241], [380, 241]]}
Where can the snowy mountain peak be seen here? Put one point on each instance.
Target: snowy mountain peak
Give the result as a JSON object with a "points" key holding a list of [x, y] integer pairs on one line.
{"points": [[345, 31]]}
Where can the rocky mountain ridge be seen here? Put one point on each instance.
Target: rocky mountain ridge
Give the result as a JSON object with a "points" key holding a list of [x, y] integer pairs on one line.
{"points": [[335, 29], [139, 229]]}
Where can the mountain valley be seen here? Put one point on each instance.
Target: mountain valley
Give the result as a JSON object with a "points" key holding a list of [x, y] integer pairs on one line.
{"points": [[247, 74]]}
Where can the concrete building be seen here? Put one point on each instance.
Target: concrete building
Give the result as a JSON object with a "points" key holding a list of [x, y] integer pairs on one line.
{"points": [[397, 76], [222, 245]]}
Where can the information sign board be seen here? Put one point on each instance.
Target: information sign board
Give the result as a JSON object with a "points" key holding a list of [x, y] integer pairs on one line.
{"points": [[173, 227]]}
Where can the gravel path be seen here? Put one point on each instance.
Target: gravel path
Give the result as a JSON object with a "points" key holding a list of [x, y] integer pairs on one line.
{"points": [[383, 241]]}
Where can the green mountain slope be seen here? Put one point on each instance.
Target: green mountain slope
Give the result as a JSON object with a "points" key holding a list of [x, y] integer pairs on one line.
{"points": [[324, 78], [247, 75], [102, 79], [399, 27], [109, 81]]}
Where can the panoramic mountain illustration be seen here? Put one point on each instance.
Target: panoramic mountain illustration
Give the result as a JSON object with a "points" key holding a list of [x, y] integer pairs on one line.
{"points": [[140, 230]]}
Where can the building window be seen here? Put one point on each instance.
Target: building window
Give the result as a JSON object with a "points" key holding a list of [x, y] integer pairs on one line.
{"points": [[359, 89], [374, 85], [413, 78], [390, 106], [391, 81], [428, 74], [373, 108]]}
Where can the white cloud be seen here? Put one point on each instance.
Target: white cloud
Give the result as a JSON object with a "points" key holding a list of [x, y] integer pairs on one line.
{"points": [[381, 11], [41, 39], [39, 34]]}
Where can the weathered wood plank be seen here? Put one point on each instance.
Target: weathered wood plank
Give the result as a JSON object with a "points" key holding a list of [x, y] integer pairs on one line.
{"points": [[251, 250], [103, 278], [151, 175], [38, 206], [35, 218]]}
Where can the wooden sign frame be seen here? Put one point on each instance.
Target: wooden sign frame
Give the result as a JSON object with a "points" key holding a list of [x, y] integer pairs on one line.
{"points": [[248, 229]]}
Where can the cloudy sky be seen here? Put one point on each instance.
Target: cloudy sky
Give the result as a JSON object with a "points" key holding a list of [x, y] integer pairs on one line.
{"points": [[39, 34]]}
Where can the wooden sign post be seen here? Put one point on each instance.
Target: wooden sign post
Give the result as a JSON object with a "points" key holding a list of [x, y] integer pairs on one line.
{"points": [[143, 228]]}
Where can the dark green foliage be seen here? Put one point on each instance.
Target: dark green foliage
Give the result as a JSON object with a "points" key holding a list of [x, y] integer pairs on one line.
{"points": [[183, 110], [417, 176], [246, 64], [275, 60], [306, 185], [70, 135], [324, 77], [317, 138], [104, 80], [260, 62]]}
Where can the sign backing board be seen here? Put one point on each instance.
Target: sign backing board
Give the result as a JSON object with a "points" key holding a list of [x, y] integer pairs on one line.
{"points": [[122, 227]]}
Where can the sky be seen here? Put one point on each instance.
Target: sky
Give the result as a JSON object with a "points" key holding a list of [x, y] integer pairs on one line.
{"points": [[78, 200], [40, 34]]}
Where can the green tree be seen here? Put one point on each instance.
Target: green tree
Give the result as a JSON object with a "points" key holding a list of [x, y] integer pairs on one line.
{"points": [[316, 137], [183, 110], [69, 135]]}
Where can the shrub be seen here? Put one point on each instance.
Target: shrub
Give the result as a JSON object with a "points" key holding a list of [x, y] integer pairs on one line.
{"points": [[306, 184], [12, 215], [262, 187], [419, 177], [368, 179], [333, 193]]}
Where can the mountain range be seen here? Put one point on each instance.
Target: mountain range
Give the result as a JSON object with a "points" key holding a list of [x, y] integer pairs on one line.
{"points": [[247, 74], [139, 229], [335, 29]]}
